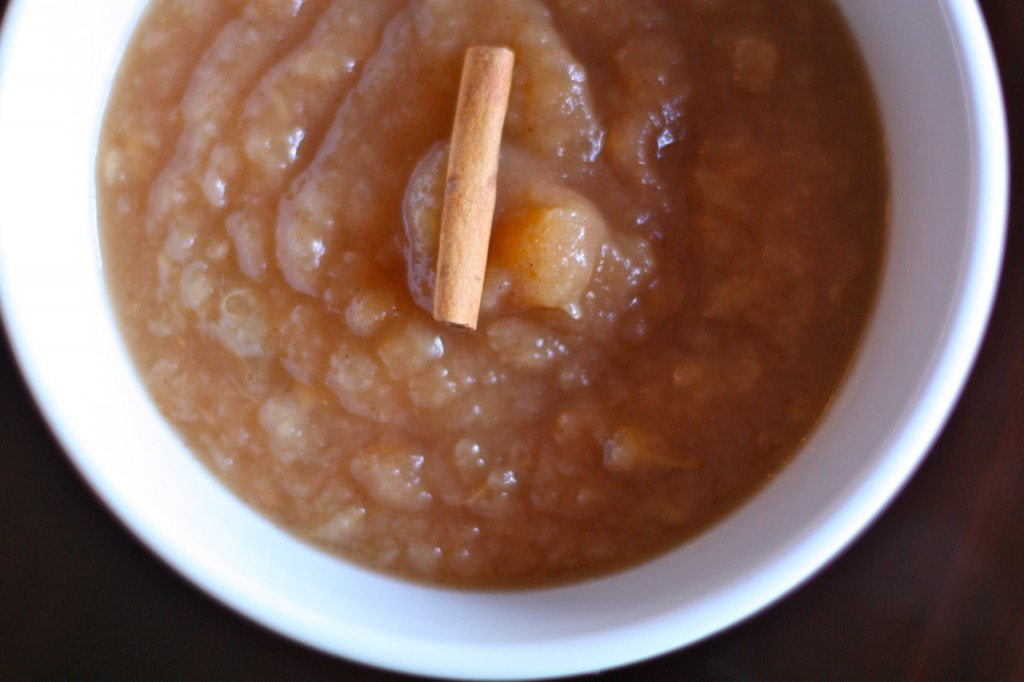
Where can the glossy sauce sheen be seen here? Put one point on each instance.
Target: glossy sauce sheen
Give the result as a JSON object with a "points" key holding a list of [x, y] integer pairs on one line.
{"points": [[690, 222]]}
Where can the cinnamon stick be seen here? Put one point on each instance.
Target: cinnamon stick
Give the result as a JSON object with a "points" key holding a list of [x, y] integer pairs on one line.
{"points": [[471, 184]]}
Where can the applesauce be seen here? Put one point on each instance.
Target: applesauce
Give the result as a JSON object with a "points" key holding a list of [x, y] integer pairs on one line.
{"points": [[690, 221]]}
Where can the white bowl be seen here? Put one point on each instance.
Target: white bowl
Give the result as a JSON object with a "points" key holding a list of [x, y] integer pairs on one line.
{"points": [[933, 69]]}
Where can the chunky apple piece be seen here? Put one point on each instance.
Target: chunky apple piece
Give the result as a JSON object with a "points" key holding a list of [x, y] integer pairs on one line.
{"points": [[549, 248]]}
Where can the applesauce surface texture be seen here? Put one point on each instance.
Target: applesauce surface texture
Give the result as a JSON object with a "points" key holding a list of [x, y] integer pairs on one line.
{"points": [[690, 220]]}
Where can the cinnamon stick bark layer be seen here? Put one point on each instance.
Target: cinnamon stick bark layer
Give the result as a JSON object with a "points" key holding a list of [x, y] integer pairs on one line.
{"points": [[471, 184]]}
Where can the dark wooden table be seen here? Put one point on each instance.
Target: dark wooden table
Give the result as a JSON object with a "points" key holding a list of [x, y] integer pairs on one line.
{"points": [[934, 590]]}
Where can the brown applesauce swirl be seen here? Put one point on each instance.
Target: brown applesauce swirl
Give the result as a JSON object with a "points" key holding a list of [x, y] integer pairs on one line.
{"points": [[690, 221]]}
